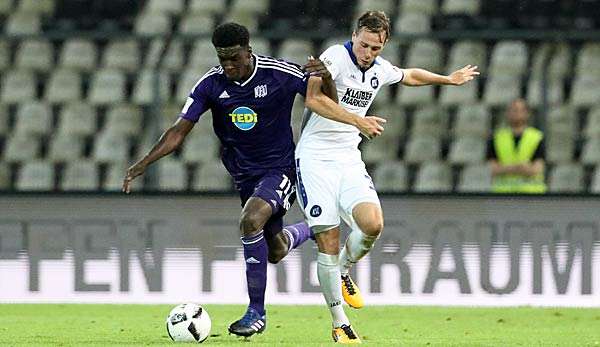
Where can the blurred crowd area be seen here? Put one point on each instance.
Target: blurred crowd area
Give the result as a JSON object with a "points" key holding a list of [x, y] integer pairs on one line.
{"points": [[78, 102]]}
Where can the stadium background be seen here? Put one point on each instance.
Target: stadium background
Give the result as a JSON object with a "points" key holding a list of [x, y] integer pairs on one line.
{"points": [[86, 87]]}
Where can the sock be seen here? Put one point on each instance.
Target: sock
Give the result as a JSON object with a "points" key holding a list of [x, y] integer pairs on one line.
{"points": [[358, 244], [328, 272], [297, 234], [255, 254]]}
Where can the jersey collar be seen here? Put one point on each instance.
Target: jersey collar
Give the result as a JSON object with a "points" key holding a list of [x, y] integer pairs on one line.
{"points": [[348, 46], [242, 84]]}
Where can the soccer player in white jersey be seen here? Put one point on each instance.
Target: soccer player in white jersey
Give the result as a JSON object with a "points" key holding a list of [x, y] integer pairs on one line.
{"points": [[332, 179]]}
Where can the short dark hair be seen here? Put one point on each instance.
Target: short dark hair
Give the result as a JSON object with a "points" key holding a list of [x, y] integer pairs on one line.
{"points": [[230, 34], [375, 22]]}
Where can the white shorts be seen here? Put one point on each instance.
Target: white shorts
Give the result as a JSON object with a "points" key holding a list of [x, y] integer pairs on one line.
{"points": [[329, 190]]}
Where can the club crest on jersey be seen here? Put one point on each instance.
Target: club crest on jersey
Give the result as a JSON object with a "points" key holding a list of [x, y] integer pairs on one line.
{"points": [[374, 82], [260, 91], [244, 118]]}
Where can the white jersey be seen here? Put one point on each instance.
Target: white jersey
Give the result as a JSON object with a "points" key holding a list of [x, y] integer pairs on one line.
{"points": [[330, 140]]}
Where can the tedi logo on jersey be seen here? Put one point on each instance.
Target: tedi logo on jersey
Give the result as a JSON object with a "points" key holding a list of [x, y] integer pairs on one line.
{"points": [[244, 118], [357, 98]]}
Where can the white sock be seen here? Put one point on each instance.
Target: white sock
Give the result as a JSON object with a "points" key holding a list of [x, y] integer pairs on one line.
{"points": [[328, 272], [358, 244]]}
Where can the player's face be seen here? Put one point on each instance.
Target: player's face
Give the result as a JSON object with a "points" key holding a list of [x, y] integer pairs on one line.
{"points": [[236, 62], [366, 46]]}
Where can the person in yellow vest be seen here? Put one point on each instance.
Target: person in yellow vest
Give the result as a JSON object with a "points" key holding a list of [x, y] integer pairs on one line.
{"points": [[516, 154]]}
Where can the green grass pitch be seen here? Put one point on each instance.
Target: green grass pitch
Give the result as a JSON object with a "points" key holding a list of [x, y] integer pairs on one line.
{"points": [[144, 325]]}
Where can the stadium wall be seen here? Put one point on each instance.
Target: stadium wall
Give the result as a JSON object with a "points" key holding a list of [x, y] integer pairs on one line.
{"points": [[435, 250]]}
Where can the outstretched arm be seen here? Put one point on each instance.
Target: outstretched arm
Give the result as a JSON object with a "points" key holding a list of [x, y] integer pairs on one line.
{"points": [[318, 102], [421, 77], [167, 143]]}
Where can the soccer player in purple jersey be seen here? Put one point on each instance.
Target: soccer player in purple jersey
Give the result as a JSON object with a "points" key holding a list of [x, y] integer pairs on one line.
{"points": [[251, 98]]}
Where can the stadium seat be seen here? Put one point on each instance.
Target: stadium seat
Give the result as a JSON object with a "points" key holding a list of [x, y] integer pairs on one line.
{"points": [[124, 119], [63, 148], [122, 54], [461, 7], [426, 54], [41, 7], [467, 52], [391, 52], [143, 89], [421, 148], [459, 95], [4, 126], [172, 175], [107, 87], [555, 92], [428, 7], [416, 96], [475, 178], [171, 7], [592, 126], [559, 148], [472, 120], [79, 54], [199, 58], [77, 119], [590, 154], [197, 24], [207, 6], [566, 178], [110, 147], [261, 46], [6, 7], [562, 121], [80, 176], [63, 86], [412, 23], [391, 177], [212, 176], [18, 86], [501, 89], [174, 57], [187, 81], [23, 23], [558, 65], [587, 60], [296, 51], [33, 117], [247, 19], [4, 177], [508, 58], [201, 147], [5, 54], [35, 54], [433, 177], [21, 148], [430, 120], [115, 174], [467, 150], [595, 184], [369, 5], [36, 176], [379, 150], [250, 6], [584, 91], [152, 23]]}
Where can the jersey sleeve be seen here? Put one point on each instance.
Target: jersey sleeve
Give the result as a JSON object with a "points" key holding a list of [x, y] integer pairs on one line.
{"points": [[393, 73], [197, 102], [297, 82], [332, 60]]}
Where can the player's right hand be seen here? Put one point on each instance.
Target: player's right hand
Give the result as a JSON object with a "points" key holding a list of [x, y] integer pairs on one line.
{"points": [[134, 171], [371, 126]]}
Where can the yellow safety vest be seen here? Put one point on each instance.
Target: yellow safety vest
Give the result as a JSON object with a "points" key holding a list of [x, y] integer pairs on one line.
{"points": [[508, 154]]}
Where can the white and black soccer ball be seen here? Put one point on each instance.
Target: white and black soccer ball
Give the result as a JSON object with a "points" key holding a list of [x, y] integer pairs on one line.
{"points": [[188, 323]]}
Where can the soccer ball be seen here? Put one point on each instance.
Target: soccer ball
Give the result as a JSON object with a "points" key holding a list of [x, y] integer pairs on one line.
{"points": [[188, 323]]}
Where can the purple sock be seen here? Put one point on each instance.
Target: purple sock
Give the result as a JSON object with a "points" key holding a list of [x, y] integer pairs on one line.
{"points": [[255, 254], [297, 234]]}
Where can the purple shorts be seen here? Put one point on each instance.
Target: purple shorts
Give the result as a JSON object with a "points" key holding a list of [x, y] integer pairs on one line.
{"points": [[277, 187]]}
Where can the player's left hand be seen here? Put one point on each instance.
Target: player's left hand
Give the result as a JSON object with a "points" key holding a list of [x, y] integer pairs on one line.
{"points": [[315, 67], [464, 75]]}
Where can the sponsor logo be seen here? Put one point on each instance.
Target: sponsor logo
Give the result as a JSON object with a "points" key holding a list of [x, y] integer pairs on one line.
{"points": [[357, 98], [244, 118], [374, 82], [260, 91], [315, 211]]}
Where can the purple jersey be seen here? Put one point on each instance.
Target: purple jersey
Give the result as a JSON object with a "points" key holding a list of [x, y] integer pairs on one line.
{"points": [[252, 118]]}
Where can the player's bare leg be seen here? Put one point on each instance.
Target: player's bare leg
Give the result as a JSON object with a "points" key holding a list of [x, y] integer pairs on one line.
{"points": [[255, 214], [328, 271], [367, 226]]}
